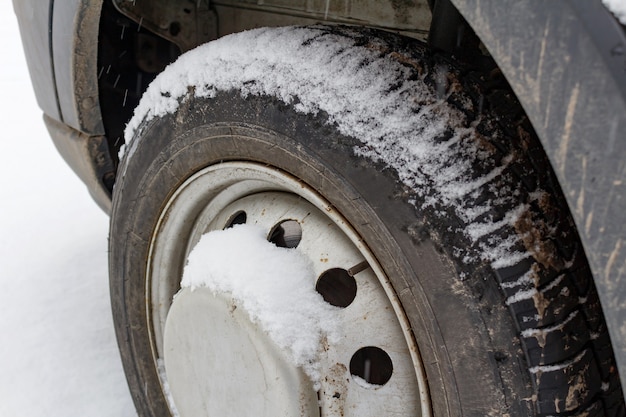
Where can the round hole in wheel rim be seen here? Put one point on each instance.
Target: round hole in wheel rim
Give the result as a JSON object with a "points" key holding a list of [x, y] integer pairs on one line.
{"points": [[337, 287], [372, 365], [238, 218], [286, 234]]}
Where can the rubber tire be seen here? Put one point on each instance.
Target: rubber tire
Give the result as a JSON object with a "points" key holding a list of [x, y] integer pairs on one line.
{"points": [[476, 355]]}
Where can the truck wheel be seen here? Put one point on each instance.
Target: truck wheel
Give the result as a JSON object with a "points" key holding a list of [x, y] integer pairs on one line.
{"points": [[418, 193]]}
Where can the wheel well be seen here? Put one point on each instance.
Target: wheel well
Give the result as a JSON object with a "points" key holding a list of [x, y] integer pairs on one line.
{"points": [[129, 58], [137, 39]]}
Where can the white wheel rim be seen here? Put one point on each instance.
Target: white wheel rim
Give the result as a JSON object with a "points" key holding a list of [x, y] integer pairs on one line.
{"points": [[374, 319]]}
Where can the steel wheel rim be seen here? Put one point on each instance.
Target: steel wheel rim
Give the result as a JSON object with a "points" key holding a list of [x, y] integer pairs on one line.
{"points": [[212, 198]]}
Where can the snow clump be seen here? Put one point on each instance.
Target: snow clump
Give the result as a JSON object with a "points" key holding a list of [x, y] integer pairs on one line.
{"points": [[275, 286]]}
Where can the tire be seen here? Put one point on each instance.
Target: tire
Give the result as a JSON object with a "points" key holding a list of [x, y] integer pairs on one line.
{"points": [[468, 240]]}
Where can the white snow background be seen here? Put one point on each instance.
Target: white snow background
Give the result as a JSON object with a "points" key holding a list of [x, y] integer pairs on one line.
{"points": [[58, 354]]}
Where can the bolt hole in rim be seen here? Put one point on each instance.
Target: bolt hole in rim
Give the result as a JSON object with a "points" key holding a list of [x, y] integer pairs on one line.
{"points": [[286, 234], [372, 365], [375, 362], [337, 287], [238, 218]]}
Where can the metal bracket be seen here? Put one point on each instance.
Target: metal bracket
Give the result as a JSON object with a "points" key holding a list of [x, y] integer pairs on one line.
{"points": [[185, 23], [449, 31]]}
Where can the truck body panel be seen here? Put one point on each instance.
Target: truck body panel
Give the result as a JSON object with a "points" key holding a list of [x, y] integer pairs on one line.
{"points": [[34, 23]]}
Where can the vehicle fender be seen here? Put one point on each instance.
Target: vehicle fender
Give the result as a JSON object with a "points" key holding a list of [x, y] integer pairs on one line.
{"points": [[34, 21], [75, 25], [566, 62], [61, 47]]}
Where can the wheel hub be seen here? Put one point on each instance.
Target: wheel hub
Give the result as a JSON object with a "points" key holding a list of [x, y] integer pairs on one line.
{"points": [[219, 363]]}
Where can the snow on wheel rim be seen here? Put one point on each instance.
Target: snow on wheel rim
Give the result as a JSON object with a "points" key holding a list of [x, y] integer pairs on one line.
{"points": [[364, 357]]}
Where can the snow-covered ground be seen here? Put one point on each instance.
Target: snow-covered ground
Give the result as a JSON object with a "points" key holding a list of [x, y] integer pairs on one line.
{"points": [[58, 355]]}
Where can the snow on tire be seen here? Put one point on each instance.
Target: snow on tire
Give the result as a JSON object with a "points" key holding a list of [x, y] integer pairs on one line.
{"points": [[431, 176]]}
